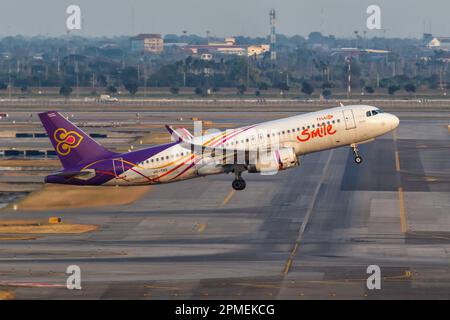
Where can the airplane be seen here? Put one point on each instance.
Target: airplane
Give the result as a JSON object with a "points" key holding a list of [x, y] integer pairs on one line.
{"points": [[266, 148]]}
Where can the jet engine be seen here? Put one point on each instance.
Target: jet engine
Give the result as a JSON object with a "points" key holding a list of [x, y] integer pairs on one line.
{"points": [[275, 160]]}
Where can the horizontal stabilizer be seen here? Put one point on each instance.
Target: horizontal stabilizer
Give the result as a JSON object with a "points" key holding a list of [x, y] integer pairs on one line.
{"points": [[83, 175]]}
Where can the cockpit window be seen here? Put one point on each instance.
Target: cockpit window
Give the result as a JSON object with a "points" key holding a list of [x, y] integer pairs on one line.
{"points": [[374, 112]]}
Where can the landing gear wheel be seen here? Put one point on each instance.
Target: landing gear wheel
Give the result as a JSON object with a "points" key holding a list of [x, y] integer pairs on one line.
{"points": [[238, 184], [358, 160]]}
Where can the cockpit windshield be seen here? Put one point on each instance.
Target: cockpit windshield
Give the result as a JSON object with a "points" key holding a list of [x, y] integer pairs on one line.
{"points": [[374, 112]]}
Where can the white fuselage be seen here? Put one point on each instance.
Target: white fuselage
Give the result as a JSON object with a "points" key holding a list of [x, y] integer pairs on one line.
{"points": [[306, 133]]}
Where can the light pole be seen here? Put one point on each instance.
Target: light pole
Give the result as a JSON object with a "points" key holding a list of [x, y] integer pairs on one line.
{"points": [[9, 81], [349, 76], [76, 72]]}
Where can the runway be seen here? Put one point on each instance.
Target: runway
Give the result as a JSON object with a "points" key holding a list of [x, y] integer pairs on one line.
{"points": [[305, 233]]}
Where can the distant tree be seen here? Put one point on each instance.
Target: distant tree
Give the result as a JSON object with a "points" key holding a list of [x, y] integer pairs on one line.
{"points": [[282, 86], [307, 88], [65, 91], [111, 89], [327, 85], [24, 89], [392, 89], [263, 86], [315, 37], [3, 86], [369, 89], [170, 75], [174, 90], [385, 82], [198, 91], [129, 77], [433, 82], [410, 87], [257, 93], [241, 89], [326, 93]]}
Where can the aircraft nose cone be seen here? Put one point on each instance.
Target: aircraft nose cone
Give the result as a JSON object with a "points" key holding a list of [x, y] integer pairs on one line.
{"points": [[395, 121]]}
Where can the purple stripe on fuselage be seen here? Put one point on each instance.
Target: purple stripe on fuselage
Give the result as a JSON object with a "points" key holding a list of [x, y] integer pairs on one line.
{"points": [[104, 167]]}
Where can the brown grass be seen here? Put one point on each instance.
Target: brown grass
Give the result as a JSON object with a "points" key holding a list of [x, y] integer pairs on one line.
{"points": [[30, 163], [154, 138], [18, 222], [16, 238], [7, 295], [47, 228], [53, 197]]}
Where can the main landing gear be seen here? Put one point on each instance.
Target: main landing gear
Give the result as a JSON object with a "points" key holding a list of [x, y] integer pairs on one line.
{"points": [[358, 159], [238, 183]]}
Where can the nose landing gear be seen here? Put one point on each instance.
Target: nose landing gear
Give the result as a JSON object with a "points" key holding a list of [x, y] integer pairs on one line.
{"points": [[358, 159]]}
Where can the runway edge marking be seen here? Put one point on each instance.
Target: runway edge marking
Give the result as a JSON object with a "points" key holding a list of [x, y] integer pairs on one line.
{"points": [[307, 216], [401, 198]]}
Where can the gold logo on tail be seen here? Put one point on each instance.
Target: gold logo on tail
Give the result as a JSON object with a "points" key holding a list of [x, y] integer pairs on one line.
{"points": [[66, 140]]}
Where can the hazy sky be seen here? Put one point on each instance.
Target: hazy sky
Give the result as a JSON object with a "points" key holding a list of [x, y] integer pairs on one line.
{"points": [[404, 18]]}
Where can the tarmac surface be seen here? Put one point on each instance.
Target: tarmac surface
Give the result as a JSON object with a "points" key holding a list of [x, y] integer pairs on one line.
{"points": [[305, 233]]}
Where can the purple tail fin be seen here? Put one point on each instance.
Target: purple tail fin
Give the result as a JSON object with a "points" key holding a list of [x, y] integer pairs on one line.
{"points": [[73, 146]]}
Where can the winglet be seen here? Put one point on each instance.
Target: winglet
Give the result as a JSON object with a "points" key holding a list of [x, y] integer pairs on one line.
{"points": [[169, 128], [180, 135]]}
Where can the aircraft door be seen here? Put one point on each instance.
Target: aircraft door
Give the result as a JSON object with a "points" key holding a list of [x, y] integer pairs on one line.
{"points": [[349, 119], [118, 167]]}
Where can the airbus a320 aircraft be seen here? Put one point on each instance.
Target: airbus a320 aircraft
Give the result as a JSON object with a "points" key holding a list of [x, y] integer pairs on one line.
{"points": [[266, 147]]}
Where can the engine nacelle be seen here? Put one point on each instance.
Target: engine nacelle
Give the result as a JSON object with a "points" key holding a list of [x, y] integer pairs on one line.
{"points": [[275, 160]]}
